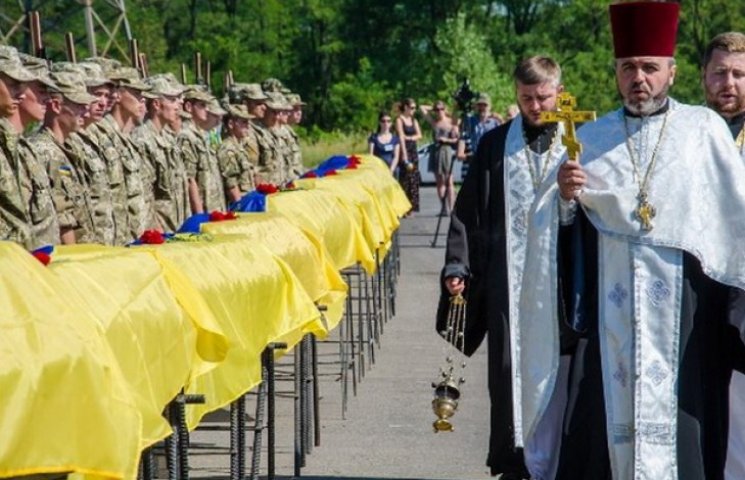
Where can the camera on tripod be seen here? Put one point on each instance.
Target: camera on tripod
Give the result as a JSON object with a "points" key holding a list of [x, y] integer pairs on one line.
{"points": [[464, 97]]}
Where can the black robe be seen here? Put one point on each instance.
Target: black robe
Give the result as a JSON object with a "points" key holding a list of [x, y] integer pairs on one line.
{"points": [[477, 252], [710, 348]]}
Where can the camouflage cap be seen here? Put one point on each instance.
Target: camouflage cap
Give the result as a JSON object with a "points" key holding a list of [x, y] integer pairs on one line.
{"points": [[294, 99], [72, 87], [39, 67], [163, 85], [239, 111], [198, 93], [213, 107], [8, 53], [128, 77], [10, 65], [277, 101], [92, 73], [272, 85], [252, 91], [106, 64]]}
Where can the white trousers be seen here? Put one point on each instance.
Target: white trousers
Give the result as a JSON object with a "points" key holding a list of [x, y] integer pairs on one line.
{"points": [[542, 450], [735, 469]]}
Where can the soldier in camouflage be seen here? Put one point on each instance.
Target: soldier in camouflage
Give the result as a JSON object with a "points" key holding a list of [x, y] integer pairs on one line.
{"points": [[258, 142], [215, 114], [66, 109], [205, 184], [294, 118], [273, 149], [157, 141], [15, 218], [88, 151], [36, 190], [127, 112], [237, 171]]}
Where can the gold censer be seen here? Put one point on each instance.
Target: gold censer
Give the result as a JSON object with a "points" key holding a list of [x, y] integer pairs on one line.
{"points": [[447, 390]]}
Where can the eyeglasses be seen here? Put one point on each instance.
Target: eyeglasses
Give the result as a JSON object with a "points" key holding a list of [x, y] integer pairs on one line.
{"points": [[385, 120], [438, 109], [411, 106]]}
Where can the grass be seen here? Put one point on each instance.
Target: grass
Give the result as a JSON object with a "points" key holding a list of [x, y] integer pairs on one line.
{"points": [[330, 145]]}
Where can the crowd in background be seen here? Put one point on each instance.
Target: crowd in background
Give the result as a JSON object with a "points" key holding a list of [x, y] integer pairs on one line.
{"points": [[97, 152], [396, 143]]}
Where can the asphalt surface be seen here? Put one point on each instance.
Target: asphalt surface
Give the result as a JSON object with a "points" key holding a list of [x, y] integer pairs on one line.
{"points": [[387, 430]]}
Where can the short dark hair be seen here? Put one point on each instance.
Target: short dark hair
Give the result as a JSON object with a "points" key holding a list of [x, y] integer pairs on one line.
{"points": [[537, 69], [732, 42]]}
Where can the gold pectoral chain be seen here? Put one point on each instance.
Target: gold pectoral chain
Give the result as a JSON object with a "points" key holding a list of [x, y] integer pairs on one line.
{"points": [[740, 140], [538, 177], [644, 211]]}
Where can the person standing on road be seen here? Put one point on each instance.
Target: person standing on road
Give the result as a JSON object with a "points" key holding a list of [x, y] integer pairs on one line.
{"points": [[409, 133], [444, 139]]}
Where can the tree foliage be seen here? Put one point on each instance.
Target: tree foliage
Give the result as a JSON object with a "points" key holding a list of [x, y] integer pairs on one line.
{"points": [[351, 58]]}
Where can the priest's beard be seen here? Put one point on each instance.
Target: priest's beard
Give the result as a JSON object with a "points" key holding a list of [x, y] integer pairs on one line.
{"points": [[648, 106]]}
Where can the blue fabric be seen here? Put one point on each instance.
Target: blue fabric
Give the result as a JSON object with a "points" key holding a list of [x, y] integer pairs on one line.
{"points": [[251, 202], [336, 162], [48, 249], [193, 223]]}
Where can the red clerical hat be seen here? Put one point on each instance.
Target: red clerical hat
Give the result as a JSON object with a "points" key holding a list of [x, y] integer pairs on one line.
{"points": [[644, 29]]}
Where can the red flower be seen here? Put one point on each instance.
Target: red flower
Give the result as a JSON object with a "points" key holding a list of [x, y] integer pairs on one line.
{"points": [[266, 188], [290, 186], [353, 162], [310, 174], [44, 258], [330, 172], [152, 237], [218, 216]]}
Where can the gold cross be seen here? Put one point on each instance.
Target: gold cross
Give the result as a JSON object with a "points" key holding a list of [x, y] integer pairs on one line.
{"points": [[567, 115], [645, 212]]}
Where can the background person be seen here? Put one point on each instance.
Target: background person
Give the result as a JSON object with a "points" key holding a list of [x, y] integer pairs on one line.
{"points": [[724, 86], [444, 140], [384, 144], [409, 133], [476, 125]]}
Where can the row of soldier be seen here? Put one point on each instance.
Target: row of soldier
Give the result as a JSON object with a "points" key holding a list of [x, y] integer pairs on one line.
{"points": [[90, 152]]}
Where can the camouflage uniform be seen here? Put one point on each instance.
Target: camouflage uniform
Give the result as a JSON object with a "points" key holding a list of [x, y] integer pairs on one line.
{"points": [[91, 167], [14, 216], [296, 163], [71, 200], [169, 185], [236, 169], [36, 193], [270, 167], [250, 144], [113, 151], [138, 181], [201, 165]]}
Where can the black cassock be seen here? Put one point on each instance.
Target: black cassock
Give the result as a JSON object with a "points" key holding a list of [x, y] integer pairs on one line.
{"points": [[476, 251], [711, 346]]}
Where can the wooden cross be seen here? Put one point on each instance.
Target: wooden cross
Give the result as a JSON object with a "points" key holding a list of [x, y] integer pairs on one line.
{"points": [[568, 116]]}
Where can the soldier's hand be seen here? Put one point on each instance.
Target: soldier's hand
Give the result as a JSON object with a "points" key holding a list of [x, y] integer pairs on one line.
{"points": [[571, 178], [455, 285]]}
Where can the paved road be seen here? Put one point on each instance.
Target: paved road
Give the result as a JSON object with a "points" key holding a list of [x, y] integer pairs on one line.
{"points": [[387, 432]]}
